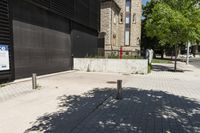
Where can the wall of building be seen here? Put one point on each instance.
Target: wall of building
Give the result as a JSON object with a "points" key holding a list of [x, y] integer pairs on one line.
{"points": [[109, 25], [6, 66], [114, 32], [46, 33], [41, 41], [136, 26], [106, 20], [84, 41], [121, 31], [136, 8]]}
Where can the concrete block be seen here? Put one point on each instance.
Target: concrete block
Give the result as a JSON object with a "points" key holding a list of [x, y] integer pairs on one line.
{"points": [[128, 66]]}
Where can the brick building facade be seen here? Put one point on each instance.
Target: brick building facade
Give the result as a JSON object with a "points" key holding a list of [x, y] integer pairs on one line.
{"points": [[121, 25]]}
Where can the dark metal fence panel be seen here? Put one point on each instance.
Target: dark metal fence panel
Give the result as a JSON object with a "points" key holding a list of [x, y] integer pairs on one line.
{"points": [[41, 41], [94, 15], [85, 12], [4, 22], [44, 31], [5, 36], [63, 7], [82, 10], [43, 3], [84, 41]]}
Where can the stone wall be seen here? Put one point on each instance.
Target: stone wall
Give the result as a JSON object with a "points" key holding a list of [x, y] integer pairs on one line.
{"points": [[127, 66], [106, 22], [109, 25]]}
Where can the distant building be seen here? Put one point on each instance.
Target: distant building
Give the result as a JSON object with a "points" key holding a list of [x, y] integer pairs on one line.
{"points": [[121, 26]]}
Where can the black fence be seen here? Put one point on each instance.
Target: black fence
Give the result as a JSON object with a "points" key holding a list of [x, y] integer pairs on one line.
{"points": [[42, 35], [6, 37], [4, 23], [85, 12], [42, 40]]}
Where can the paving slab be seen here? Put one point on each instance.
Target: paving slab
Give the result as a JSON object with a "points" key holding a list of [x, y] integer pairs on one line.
{"points": [[162, 101]]}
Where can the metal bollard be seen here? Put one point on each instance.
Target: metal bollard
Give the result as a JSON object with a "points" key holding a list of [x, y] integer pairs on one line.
{"points": [[34, 81], [119, 90], [72, 62]]}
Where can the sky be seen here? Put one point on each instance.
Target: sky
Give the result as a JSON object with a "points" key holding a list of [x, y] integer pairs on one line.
{"points": [[144, 1]]}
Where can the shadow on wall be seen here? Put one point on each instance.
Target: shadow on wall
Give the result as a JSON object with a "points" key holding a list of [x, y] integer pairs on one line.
{"points": [[139, 111]]}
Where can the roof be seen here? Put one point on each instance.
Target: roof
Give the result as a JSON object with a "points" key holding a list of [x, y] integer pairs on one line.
{"points": [[113, 2]]}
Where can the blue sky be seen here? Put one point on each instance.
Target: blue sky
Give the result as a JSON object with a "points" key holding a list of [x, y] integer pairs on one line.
{"points": [[144, 1]]}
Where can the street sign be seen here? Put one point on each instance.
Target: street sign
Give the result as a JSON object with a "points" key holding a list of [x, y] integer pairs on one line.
{"points": [[4, 57]]}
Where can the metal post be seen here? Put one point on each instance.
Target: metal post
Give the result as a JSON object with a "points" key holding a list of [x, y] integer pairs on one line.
{"points": [[120, 53], [119, 90], [175, 63], [72, 62], [188, 53], [34, 81]]}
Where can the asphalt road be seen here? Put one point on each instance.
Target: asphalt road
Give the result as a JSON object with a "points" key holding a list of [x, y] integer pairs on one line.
{"points": [[195, 62]]}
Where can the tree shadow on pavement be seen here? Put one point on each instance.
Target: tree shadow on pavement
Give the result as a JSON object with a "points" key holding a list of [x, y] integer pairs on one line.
{"points": [[159, 68], [139, 111]]}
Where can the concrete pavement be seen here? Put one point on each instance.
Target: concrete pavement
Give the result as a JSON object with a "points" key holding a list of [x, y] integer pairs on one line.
{"points": [[195, 62], [162, 101]]}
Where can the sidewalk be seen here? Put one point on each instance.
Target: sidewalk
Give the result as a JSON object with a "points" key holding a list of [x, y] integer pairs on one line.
{"points": [[20, 87], [13, 90], [162, 101]]}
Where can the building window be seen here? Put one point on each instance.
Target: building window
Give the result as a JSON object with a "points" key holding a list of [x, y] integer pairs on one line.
{"points": [[128, 5], [115, 19], [127, 37], [121, 18], [128, 22], [114, 39], [134, 18]]}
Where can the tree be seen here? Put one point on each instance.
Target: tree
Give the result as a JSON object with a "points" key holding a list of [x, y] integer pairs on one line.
{"points": [[174, 22], [149, 42]]}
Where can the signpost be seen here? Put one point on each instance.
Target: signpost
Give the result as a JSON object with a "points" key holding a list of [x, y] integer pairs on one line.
{"points": [[120, 53], [4, 57]]}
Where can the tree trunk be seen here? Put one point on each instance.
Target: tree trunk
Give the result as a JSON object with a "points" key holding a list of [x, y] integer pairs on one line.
{"points": [[175, 63], [171, 53], [162, 54]]}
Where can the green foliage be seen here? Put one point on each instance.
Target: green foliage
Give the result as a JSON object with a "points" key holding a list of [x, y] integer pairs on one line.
{"points": [[124, 57], [173, 21], [113, 56], [132, 57], [161, 61], [2, 85]]}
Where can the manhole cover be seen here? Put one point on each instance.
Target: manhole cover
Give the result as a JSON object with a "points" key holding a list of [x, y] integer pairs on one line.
{"points": [[111, 82], [126, 74]]}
